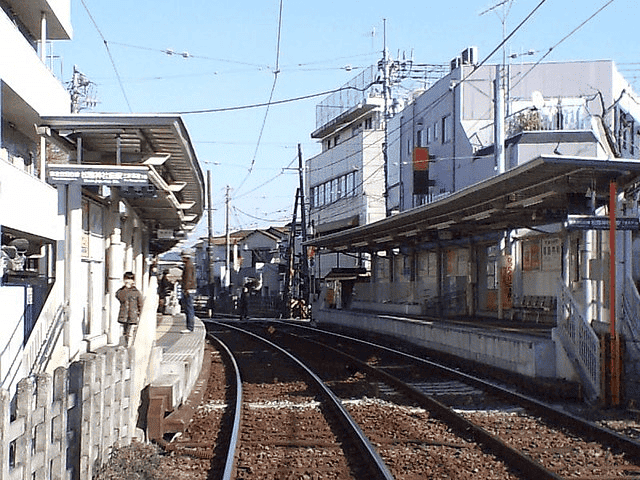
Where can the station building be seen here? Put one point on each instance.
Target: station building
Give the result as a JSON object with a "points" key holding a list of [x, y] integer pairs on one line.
{"points": [[485, 243]]}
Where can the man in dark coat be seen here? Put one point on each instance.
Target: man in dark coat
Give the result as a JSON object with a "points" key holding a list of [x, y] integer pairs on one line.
{"points": [[130, 307], [188, 283]]}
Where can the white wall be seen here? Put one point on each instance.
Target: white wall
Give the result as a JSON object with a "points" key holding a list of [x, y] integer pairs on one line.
{"points": [[22, 70], [28, 204]]}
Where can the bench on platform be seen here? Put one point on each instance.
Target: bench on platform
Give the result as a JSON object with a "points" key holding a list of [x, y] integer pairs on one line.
{"points": [[540, 307]]}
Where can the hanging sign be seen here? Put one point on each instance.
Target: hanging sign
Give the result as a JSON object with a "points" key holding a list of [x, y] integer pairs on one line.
{"points": [[110, 175], [589, 222]]}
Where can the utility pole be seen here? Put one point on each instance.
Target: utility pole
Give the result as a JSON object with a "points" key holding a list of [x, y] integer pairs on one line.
{"points": [[386, 93], [290, 259], [210, 269], [227, 273], [303, 219]]}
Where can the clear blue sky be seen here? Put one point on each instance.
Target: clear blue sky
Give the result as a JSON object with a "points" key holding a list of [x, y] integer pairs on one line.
{"points": [[232, 49]]}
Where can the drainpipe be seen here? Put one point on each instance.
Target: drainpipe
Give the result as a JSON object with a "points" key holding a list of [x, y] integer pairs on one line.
{"points": [[499, 122], [43, 37]]}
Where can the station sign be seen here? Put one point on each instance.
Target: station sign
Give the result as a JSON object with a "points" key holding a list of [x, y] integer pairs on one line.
{"points": [[592, 222], [109, 175]]}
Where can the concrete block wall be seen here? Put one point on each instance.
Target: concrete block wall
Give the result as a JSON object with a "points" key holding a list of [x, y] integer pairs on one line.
{"points": [[63, 426], [530, 356]]}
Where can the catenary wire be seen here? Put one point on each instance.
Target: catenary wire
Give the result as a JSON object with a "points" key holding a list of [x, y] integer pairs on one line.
{"points": [[106, 46]]}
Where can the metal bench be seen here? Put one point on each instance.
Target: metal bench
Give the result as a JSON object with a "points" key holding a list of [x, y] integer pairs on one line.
{"points": [[541, 307]]}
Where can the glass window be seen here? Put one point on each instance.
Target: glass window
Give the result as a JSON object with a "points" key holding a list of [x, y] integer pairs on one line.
{"points": [[419, 138], [446, 129]]}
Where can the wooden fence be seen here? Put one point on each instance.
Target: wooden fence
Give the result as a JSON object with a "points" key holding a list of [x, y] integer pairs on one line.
{"points": [[64, 426]]}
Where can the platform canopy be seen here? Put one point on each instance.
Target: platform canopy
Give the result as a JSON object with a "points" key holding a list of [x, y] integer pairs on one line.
{"points": [[170, 197], [542, 191]]}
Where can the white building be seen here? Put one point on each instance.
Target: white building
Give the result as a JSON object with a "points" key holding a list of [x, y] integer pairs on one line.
{"points": [[121, 189], [31, 228], [345, 182]]}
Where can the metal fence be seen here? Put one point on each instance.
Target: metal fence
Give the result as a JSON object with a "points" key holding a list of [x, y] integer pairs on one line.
{"points": [[579, 340]]}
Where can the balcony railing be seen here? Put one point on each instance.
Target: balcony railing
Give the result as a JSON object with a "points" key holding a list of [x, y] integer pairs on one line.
{"points": [[560, 114]]}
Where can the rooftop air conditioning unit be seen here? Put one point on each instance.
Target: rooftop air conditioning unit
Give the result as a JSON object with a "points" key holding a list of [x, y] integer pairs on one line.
{"points": [[470, 56], [455, 63]]}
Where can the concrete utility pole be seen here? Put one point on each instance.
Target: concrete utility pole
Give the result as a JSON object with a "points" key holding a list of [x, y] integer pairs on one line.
{"points": [[386, 93], [290, 259], [303, 219], [210, 269], [227, 273]]}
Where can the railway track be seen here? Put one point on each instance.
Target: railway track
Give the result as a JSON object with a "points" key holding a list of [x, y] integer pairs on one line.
{"points": [[287, 423], [539, 440], [422, 420], [431, 449]]}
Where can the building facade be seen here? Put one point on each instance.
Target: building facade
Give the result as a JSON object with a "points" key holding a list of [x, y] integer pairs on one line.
{"points": [[515, 233], [83, 199], [31, 229]]}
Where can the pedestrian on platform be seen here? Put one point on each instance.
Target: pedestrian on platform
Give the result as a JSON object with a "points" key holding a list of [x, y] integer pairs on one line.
{"points": [[243, 303], [165, 287], [130, 307], [188, 283]]}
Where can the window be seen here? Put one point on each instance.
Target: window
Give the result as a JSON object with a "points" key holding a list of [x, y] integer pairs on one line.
{"points": [[428, 135], [368, 123], [435, 131], [446, 129], [419, 138], [352, 184]]}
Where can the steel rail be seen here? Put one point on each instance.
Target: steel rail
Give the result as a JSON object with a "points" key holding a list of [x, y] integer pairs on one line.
{"points": [[229, 463], [577, 424], [365, 445], [515, 458]]}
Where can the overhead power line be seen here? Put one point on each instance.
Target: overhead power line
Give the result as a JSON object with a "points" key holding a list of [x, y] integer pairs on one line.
{"points": [[113, 63], [562, 40], [266, 113]]}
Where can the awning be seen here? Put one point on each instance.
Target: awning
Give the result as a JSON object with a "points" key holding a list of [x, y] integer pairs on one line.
{"points": [[343, 273], [174, 200], [540, 192]]}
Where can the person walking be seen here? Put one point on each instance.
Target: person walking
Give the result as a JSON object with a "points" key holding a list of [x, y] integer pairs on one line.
{"points": [[188, 283], [130, 300], [243, 303]]}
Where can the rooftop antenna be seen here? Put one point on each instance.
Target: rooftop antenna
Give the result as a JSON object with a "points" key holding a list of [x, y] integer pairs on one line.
{"points": [[506, 7]]}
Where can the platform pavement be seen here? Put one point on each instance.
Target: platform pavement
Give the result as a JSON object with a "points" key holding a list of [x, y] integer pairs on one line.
{"points": [[176, 371]]}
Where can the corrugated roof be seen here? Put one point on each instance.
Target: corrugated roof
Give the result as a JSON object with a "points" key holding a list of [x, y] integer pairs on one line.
{"points": [[542, 191], [159, 141]]}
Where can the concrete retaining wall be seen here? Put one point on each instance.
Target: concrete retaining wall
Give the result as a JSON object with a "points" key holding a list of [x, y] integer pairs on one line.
{"points": [[525, 355]]}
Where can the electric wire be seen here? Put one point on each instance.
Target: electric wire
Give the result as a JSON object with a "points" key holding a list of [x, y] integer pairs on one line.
{"points": [[266, 113], [562, 40], [106, 46], [504, 40]]}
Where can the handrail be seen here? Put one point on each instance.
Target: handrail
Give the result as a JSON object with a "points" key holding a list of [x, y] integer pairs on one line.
{"points": [[579, 340], [50, 340], [630, 309]]}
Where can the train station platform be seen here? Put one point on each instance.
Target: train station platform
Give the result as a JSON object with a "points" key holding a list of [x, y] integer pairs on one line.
{"points": [[530, 352], [179, 378]]}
